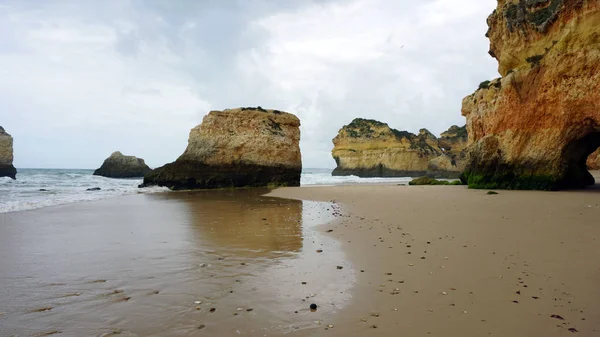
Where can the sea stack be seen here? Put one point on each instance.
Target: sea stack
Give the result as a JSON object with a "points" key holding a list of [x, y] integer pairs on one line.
{"points": [[6, 155], [243, 147], [121, 166], [534, 127], [369, 148]]}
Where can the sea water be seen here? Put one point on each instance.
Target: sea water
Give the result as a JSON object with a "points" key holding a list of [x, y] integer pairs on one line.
{"points": [[37, 188]]}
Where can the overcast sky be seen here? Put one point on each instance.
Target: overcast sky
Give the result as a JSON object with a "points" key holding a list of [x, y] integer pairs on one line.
{"points": [[81, 79]]}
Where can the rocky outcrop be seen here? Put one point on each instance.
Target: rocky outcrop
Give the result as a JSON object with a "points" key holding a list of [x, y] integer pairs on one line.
{"points": [[121, 166], [368, 148], [236, 148], [593, 161], [535, 127], [6, 155]]}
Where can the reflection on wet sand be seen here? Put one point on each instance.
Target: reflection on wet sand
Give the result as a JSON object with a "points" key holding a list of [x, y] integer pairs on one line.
{"points": [[176, 264], [243, 220]]}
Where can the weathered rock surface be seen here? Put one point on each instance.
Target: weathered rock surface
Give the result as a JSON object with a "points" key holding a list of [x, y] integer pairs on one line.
{"points": [[6, 155], [535, 127], [593, 161], [121, 166], [368, 148], [236, 148]]}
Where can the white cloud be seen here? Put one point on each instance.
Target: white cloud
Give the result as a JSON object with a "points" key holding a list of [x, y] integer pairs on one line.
{"points": [[82, 79]]}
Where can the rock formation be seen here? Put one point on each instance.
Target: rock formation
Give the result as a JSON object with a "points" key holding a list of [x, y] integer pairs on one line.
{"points": [[593, 161], [6, 155], [368, 148], [236, 148], [121, 166], [535, 127]]}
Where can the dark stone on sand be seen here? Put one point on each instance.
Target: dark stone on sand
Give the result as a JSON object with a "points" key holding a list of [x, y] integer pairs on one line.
{"points": [[94, 189], [313, 306]]}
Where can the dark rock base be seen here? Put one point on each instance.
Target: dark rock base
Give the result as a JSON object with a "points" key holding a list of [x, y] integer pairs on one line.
{"points": [[8, 171], [513, 177], [384, 172], [188, 175], [120, 173]]}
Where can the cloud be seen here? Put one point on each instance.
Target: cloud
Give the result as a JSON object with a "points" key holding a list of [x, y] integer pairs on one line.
{"points": [[82, 79]]}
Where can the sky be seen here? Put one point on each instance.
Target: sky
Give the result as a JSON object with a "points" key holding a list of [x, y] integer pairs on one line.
{"points": [[83, 78]]}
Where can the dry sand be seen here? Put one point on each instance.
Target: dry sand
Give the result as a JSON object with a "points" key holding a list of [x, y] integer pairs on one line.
{"points": [[449, 261]]}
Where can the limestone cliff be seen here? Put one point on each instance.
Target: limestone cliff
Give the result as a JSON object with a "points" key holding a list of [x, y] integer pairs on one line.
{"points": [[236, 148], [121, 166], [368, 148], [593, 161], [534, 127], [6, 155]]}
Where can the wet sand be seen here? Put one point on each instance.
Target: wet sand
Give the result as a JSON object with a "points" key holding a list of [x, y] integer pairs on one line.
{"points": [[155, 265], [449, 261], [415, 261]]}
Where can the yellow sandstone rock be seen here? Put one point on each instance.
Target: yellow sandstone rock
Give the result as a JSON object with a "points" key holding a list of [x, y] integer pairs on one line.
{"points": [[236, 148], [535, 127], [368, 148]]}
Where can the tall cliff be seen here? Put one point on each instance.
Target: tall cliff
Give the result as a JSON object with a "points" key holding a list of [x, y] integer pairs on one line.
{"points": [[236, 148], [368, 148], [121, 166], [535, 127], [6, 155]]}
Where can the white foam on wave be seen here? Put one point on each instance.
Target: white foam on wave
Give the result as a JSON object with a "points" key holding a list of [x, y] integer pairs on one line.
{"points": [[323, 177], [70, 186], [61, 187]]}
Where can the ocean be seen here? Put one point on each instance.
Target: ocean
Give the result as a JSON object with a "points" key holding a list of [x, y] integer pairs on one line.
{"points": [[37, 188]]}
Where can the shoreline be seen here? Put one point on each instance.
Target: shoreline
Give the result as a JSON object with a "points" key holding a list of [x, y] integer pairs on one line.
{"points": [[475, 264]]}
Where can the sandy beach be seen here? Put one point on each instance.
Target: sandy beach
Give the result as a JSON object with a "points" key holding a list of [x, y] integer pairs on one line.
{"points": [[378, 260], [449, 261]]}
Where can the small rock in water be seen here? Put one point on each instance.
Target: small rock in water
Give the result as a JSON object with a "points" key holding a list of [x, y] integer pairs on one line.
{"points": [[43, 190], [319, 250], [202, 265], [303, 282], [198, 302], [557, 317], [249, 309], [240, 309], [573, 330], [330, 326], [340, 267], [444, 293], [201, 326], [213, 309], [94, 189]]}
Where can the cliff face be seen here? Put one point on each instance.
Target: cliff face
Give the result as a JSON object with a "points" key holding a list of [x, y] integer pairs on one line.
{"points": [[236, 148], [121, 166], [534, 127], [6, 155], [593, 161], [368, 148]]}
